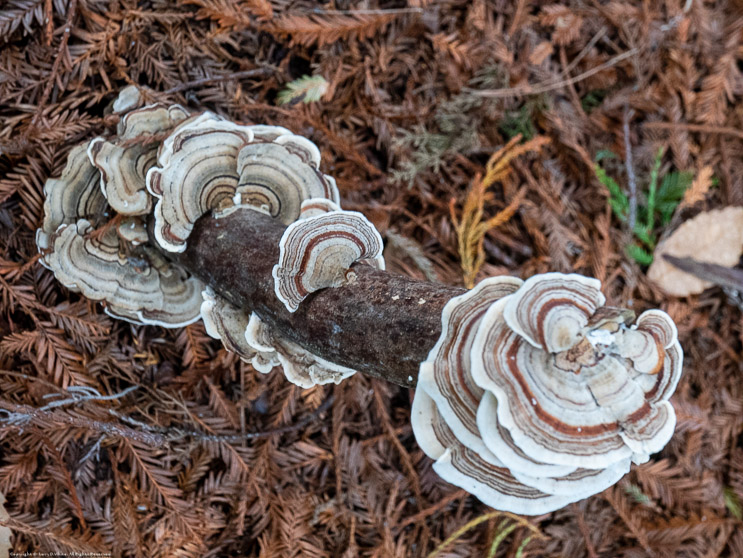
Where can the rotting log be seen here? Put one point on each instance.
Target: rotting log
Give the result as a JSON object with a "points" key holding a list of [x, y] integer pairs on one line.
{"points": [[379, 323]]}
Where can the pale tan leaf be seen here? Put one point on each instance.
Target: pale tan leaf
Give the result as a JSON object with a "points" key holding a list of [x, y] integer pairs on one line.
{"points": [[712, 237]]}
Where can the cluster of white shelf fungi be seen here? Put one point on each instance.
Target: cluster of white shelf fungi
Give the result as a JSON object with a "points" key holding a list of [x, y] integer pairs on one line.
{"points": [[535, 395]]}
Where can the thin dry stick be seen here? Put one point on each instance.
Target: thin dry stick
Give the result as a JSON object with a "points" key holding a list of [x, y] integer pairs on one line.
{"points": [[630, 166], [703, 128], [438, 506], [538, 89], [216, 79]]}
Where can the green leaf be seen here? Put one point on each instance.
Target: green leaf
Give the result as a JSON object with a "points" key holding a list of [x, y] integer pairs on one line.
{"points": [[671, 192], [639, 254], [605, 154], [617, 199], [652, 188], [732, 503], [306, 89]]}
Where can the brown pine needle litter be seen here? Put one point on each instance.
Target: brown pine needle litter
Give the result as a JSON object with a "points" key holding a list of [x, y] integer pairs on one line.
{"points": [[471, 228], [421, 91]]}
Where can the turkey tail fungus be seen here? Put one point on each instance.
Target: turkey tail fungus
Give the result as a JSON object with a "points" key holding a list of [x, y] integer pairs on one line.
{"points": [[530, 394]]}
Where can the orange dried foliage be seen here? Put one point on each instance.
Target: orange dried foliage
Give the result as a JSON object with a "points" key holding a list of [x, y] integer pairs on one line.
{"points": [[470, 226]]}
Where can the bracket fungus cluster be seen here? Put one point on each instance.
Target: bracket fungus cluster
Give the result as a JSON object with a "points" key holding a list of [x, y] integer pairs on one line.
{"points": [[533, 394], [166, 168], [537, 395]]}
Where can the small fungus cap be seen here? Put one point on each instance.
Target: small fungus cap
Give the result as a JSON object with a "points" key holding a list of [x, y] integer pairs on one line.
{"points": [[132, 287], [317, 252], [74, 195], [125, 160], [211, 164]]}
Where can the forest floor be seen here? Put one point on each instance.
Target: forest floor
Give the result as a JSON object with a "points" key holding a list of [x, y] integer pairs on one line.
{"points": [[412, 98]]}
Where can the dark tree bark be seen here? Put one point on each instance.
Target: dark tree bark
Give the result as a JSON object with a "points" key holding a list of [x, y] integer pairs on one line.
{"points": [[380, 324]]}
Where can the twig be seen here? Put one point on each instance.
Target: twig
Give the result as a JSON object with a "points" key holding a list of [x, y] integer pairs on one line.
{"points": [[717, 274], [390, 11], [630, 166], [536, 90], [83, 393], [20, 415], [216, 79], [703, 128], [177, 433]]}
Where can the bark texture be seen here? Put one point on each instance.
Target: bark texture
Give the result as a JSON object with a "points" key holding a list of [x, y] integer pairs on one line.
{"points": [[380, 324]]}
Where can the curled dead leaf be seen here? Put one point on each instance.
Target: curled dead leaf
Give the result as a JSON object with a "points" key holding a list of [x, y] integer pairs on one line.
{"points": [[714, 237]]}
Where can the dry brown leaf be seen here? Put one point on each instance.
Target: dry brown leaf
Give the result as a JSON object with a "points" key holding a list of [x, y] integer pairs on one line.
{"points": [[712, 237], [541, 52], [699, 188]]}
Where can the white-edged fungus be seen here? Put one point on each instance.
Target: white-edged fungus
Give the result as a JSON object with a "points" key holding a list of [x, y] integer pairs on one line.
{"points": [[543, 380], [211, 164], [125, 160], [300, 366], [74, 195], [255, 342], [227, 323], [280, 175], [317, 253], [196, 174], [132, 287]]}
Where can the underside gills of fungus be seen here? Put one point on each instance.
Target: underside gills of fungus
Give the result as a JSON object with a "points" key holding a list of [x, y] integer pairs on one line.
{"points": [[533, 394], [317, 253]]}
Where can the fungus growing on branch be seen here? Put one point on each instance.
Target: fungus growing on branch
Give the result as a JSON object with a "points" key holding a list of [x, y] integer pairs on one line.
{"points": [[318, 251], [548, 381], [530, 394]]}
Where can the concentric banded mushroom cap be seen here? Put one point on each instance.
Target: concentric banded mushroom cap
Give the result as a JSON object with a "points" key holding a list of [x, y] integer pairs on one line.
{"points": [[479, 473], [580, 406], [317, 252], [456, 420], [551, 310], [74, 195], [208, 163], [196, 174], [280, 175], [133, 288], [444, 375], [125, 160]]}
